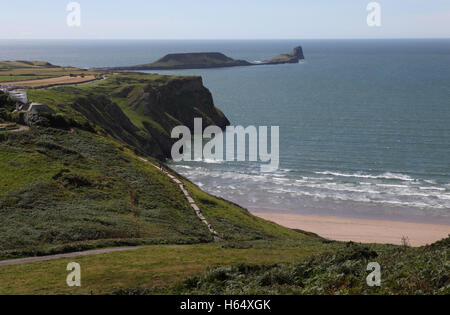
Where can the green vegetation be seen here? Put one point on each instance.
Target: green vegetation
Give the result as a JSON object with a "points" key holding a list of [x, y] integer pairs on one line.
{"points": [[64, 191], [76, 187], [404, 271], [138, 109], [305, 266], [152, 269], [16, 71], [6, 103], [75, 181], [192, 61]]}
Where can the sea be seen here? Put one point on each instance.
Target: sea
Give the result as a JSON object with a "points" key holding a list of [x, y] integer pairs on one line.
{"points": [[364, 124]]}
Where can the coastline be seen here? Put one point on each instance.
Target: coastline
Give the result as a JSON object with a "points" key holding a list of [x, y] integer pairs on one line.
{"points": [[361, 230]]}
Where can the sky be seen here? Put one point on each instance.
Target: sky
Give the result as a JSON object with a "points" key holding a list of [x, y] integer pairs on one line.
{"points": [[218, 19]]}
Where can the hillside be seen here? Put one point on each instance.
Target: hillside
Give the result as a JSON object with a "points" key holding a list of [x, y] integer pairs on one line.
{"points": [[138, 109], [191, 61], [75, 181]]}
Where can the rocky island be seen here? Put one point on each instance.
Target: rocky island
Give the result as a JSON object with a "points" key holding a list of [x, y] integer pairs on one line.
{"points": [[205, 60]]}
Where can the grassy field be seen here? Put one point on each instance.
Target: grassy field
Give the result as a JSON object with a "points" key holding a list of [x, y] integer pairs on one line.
{"points": [[52, 81], [155, 268], [244, 268], [19, 78], [20, 71]]}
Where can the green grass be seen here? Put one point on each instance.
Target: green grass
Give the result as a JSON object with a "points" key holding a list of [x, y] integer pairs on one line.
{"points": [[236, 222], [138, 109], [29, 70], [154, 268], [196, 59], [245, 268], [403, 271], [20, 168], [83, 187], [65, 191]]}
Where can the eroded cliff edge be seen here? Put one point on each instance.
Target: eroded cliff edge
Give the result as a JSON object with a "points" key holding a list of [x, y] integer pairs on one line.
{"points": [[138, 109]]}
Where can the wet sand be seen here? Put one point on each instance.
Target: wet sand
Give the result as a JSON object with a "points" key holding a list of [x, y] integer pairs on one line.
{"points": [[361, 230]]}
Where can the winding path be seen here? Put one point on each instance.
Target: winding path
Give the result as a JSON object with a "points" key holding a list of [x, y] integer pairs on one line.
{"points": [[191, 201]]}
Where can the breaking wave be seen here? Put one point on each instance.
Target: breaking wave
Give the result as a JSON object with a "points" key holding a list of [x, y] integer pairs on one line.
{"points": [[290, 189]]}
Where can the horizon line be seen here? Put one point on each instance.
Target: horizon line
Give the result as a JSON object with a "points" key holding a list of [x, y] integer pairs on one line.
{"points": [[236, 39]]}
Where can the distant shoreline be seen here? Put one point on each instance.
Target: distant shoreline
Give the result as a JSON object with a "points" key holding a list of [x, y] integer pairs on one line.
{"points": [[361, 230]]}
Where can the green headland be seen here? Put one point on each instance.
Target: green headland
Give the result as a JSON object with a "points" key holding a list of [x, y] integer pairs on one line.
{"points": [[75, 179]]}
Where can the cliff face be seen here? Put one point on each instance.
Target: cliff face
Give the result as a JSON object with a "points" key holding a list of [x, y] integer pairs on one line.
{"points": [[101, 111], [181, 99], [142, 110], [178, 102]]}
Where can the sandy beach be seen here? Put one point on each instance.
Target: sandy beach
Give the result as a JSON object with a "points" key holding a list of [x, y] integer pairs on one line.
{"points": [[361, 230]]}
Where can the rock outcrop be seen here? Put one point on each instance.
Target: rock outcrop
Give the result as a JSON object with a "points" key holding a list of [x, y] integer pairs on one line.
{"points": [[294, 57]]}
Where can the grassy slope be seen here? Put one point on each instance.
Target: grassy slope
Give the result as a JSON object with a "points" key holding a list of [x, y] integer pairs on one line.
{"points": [[204, 59], [63, 192]]}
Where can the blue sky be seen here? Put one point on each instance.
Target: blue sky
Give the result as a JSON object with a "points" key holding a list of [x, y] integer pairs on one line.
{"points": [[231, 19]]}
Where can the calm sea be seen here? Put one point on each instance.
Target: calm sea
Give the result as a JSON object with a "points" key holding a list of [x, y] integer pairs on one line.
{"points": [[364, 124]]}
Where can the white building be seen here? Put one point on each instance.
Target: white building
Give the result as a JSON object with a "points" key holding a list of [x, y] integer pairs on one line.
{"points": [[19, 96]]}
